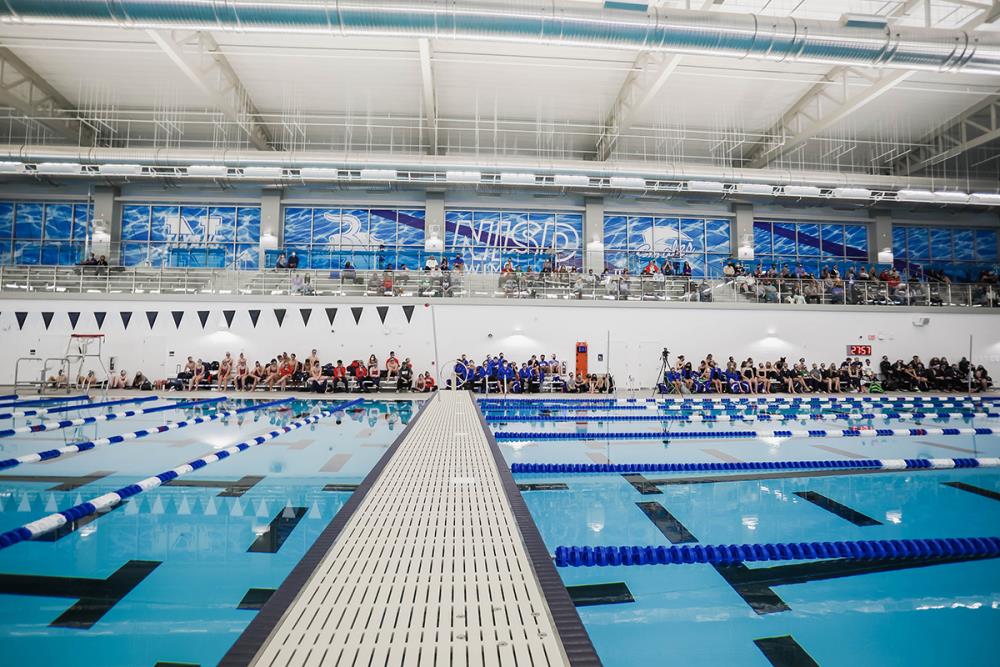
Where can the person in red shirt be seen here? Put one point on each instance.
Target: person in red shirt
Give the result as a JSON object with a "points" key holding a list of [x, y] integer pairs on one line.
{"points": [[429, 384], [361, 375], [340, 376], [651, 268]]}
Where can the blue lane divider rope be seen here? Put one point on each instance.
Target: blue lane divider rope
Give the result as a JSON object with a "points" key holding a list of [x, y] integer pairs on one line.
{"points": [[79, 421], [766, 398], [141, 433], [744, 435], [759, 417], [729, 554], [713, 466], [71, 408], [109, 500], [9, 397], [45, 401]]}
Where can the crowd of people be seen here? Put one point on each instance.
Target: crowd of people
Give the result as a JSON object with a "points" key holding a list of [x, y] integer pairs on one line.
{"points": [[496, 374], [802, 377], [283, 372]]}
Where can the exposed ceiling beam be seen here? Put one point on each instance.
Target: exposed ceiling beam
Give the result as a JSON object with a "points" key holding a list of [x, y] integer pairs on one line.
{"points": [[977, 125], [644, 81], [25, 91], [828, 102], [209, 69], [430, 98]]}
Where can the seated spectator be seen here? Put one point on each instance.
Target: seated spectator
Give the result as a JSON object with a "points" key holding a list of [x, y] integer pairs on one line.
{"points": [[282, 262], [405, 376], [85, 382], [120, 381], [140, 381], [293, 260], [59, 380]]}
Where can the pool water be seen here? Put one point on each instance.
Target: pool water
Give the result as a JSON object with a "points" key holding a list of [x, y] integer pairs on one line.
{"points": [[785, 613], [178, 561]]}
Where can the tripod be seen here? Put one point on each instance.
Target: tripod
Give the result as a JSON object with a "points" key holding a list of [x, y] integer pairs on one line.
{"points": [[664, 364]]}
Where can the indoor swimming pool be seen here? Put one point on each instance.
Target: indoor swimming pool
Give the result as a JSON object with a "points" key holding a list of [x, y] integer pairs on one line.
{"points": [[174, 571], [857, 478]]}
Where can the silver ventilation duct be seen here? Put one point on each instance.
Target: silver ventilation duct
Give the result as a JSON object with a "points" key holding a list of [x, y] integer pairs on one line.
{"points": [[183, 157], [560, 22]]}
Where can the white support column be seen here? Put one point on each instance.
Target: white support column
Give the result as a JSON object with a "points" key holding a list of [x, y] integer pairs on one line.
{"points": [[429, 96], [593, 234], [434, 223], [743, 231], [879, 235], [106, 227], [271, 230]]}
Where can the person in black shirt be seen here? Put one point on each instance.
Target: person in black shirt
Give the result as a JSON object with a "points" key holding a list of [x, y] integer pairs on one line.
{"points": [[405, 378]]}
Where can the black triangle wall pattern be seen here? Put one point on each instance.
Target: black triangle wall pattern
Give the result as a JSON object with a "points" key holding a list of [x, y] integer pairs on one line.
{"points": [[254, 316], [382, 312], [357, 314], [331, 314], [73, 319], [408, 311], [229, 315], [279, 314], [203, 316], [126, 318], [178, 315], [151, 317], [306, 313], [47, 319], [99, 318], [21, 317]]}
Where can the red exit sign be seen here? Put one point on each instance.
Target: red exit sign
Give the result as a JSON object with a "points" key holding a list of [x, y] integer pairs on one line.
{"points": [[859, 350]]}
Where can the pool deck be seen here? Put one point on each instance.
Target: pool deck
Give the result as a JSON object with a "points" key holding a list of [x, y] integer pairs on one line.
{"points": [[437, 562]]}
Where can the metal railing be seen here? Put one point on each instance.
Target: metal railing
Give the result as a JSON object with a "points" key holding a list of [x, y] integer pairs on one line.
{"points": [[54, 280]]}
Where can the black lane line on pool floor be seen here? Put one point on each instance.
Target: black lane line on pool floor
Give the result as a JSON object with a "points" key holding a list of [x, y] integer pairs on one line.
{"points": [[667, 523], [784, 651], [641, 484], [341, 487], [256, 634], [229, 489], [576, 642], [277, 531], [543, 487], [978, 490], [833, 507], [790, 474], [754, 585], [255, 598], [586, 595], [94, 597], [63, 482]]}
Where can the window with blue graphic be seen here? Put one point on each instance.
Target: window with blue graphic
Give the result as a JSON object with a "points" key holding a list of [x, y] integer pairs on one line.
{"points": [[961, 252], [368, 238], [631, 241], [53, 233], [813, 245], [487, 240], [200, 236]]}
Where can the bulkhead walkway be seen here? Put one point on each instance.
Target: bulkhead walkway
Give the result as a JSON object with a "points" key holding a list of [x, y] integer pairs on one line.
{"points": [[437, 564]]}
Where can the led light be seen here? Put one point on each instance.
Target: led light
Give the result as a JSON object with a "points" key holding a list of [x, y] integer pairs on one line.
{"points": [[58, 168], [325, 173], [628, 183], [706, 186], [208, 170], [852, 193], [802, 191], [571, 180], [754, 189], [463, 176], [952, 196], [517, 179], [378, 174], [915, 195], [120, 169], [986, 198], [12, 168], [262, 172]]}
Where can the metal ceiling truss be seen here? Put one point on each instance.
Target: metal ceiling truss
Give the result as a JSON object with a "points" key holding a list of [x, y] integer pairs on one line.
{"points": [[974, 127], [842, 91], [209, 69], [32, 97], [429, 96]]}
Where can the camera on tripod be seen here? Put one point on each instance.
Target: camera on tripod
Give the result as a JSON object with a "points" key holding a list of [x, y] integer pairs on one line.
{"points": [[665, 355]]}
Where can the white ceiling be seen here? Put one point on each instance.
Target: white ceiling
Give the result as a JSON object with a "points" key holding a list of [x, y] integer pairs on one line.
{"points": [[327, 92]]}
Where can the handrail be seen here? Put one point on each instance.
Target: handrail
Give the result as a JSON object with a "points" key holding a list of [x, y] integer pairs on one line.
{"points": [[56, 281]]}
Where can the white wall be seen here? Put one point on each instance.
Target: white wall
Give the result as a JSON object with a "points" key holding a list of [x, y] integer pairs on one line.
{"points": [[637, 333]]}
